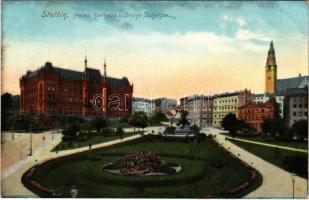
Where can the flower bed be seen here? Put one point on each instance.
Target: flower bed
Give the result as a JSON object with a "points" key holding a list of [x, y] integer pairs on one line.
{"points": [[31, 172], [140, 163], [41, 188]]}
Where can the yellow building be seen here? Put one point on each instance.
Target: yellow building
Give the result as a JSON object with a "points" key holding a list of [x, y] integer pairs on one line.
{"points": [[271, 71], [226, 103]]}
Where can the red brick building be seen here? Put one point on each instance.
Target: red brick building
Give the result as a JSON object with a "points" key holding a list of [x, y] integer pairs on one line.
{"points": [[254, 113], [53, 90]]}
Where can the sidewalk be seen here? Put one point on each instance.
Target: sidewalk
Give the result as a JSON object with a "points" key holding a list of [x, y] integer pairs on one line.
{"points": [[277, 183], [269, 145]]}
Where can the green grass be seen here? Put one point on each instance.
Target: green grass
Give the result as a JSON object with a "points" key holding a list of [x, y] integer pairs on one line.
{"points": [[200, 176], [65, 145], [277, 157], [270, 140]]}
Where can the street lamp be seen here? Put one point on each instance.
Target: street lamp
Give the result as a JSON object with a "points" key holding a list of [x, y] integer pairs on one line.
{"points": [[293, 183], [30, 150]]}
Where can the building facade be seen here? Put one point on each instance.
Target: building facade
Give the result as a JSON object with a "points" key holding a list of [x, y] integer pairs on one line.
{"points": [[164, 104], [226, 103], [296, 105], [271, 71], [53, 90], [199, 109], [142, 104], [255, 113], [263, 98]]}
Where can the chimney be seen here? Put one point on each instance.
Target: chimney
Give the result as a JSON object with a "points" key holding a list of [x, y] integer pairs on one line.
{"points": [[299, 75]]}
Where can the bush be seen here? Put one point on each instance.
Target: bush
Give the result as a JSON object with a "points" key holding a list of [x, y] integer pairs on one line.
{"points": [[70, 144], [94, 157], [108, 131]]}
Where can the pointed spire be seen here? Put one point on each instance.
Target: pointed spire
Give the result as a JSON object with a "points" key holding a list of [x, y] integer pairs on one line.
{"points": [[271, 58], [85, 61], [104, 70], [271, 47]]}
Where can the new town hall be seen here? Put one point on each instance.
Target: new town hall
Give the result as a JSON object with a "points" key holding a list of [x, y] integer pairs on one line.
{"points": [[53, 90]]}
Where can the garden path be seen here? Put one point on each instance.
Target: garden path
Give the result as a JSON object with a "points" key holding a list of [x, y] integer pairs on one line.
{"points": [[270, 145]]}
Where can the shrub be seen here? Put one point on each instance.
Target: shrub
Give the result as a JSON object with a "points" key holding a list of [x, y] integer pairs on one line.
{"points": [[94, 157], [70, 144]]}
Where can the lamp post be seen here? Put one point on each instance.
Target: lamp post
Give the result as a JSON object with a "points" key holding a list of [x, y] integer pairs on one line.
{"points": [[20, 150], [30, 148], [293, 184]]}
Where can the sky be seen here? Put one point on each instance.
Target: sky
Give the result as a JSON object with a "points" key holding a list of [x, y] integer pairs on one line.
{"points": [[166, 49]]}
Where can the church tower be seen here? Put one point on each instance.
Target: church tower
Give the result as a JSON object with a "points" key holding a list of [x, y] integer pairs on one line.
{"points": [[271, 71]]}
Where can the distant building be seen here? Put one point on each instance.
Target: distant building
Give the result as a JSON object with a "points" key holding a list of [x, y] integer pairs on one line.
{"points": [[199, 109], [142, 104], [263, 98], [54, 90], [226, 103], [296, 105], [164, 104], [289, 83], [255, 113]]}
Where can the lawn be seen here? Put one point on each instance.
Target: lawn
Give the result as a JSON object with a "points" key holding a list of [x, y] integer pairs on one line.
{"points": [[65, 145], [207, 171], [270, 140], [291, 161]]}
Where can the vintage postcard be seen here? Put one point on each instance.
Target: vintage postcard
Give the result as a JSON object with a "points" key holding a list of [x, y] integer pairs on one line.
{"points": [[154, 99]]}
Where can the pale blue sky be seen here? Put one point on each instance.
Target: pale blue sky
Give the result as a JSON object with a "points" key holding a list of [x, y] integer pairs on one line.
{"points": [[23, 21]]}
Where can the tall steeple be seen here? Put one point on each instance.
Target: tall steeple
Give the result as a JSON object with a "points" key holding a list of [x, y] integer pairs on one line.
{"points": [[104, 70], [271, 57], [271, 71], [85, 61]]}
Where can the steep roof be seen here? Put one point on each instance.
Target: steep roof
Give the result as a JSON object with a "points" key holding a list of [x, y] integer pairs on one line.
{"points": [[297, 92], [69, 74], [94, 75], [295, 82]]}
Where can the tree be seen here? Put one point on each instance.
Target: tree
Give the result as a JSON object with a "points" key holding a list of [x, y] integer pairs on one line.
{"points": [[6, 103], [267, 126], [72, 126], [279, 127], [183, 121], [120, 132], [86, 127], [274, 127], [230, 123], [139, 120], [99, 123], [159, 116], [300, 128]]}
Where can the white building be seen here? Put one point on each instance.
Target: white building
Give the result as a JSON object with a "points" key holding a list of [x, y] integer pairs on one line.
{"points": [[142, 104]]}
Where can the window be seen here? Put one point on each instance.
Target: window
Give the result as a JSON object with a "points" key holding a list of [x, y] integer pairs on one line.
{"points": [[294, 106], [300, 105], [300, 113], [294, 113]]}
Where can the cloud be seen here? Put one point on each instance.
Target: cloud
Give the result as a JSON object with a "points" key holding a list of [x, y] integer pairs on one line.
{"points": [[241, 21], [243, 34]]}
